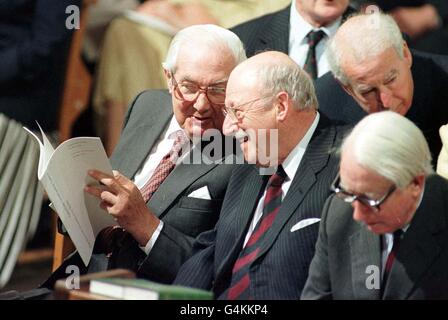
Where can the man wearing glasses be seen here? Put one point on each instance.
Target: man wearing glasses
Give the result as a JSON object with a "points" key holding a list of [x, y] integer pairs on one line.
{"points": [[384, 233], [168, 202], [265, 237]]}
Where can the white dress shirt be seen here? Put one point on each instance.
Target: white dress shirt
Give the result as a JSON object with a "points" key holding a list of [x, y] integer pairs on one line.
{"points": [[298, 43], [290, 165], [158, 151]]}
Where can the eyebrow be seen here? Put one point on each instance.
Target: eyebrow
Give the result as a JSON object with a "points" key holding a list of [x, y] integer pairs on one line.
{"points": [[219, 82], [391, 74]]}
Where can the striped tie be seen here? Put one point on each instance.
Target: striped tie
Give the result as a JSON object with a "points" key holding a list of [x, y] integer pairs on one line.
{"points": [[240, 284], [310, 65], [165, 166]]}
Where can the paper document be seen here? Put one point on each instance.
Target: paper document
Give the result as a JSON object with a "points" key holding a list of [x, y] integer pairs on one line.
{"points": [[63, 173]]}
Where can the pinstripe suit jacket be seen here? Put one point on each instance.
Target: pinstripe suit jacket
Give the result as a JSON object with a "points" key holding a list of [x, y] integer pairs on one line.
{"points": [[269, 32], [280, 270]]}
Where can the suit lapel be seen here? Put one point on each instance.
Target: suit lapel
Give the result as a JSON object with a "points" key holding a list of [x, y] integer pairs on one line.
{"points": [[361, 243], [314, 160], [419, 246], [276, 35], [177, 181], [253, 186], [142, 138]]}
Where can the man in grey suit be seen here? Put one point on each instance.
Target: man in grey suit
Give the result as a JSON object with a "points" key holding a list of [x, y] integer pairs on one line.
{"points": [[384, 234], [161, 210], [264, 240]]}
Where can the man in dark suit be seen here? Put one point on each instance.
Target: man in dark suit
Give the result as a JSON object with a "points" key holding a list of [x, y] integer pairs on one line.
{"points": [[164, 209], [265, 236], [289, 31], [384, 234], [377, 71], [34, 44]]}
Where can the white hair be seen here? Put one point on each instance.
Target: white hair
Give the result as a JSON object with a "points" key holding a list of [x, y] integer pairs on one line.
{"points": [[391, 146], [214, 36], [363, 36], [291, 78]]}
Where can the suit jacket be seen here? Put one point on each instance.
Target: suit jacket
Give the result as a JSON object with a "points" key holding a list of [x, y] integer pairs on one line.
{"points": [[184, 217], [269, 32], [346, 248], [34, 44], [428, 110], [281, 268]]}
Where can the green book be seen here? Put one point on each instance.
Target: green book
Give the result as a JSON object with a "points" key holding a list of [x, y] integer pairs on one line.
{"points": [[140, 289]]}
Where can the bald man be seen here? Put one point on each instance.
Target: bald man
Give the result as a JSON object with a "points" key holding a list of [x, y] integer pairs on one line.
{"points": [[264, 240]]}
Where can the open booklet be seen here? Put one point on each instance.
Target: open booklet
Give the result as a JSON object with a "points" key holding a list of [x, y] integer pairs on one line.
{"points": [[63, 173]]}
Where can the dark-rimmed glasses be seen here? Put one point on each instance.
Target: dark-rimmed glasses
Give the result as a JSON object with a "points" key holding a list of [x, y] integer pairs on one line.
{"points": [[350, 197], [189, 92]]}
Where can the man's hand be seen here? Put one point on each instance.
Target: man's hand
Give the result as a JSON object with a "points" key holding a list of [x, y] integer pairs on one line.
{"points": [[416, 21], [122, 199]]}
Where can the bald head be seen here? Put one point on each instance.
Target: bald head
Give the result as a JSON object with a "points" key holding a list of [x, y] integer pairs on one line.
{"points": [[362, 37], [271, 72]]}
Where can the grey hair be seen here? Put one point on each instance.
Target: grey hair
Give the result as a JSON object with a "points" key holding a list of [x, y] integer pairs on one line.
{"points": [[361, 37], [291, 78], [391, 146], [212, 35]]}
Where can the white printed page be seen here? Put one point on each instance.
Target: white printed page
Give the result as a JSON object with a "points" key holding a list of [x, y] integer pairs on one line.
{"points": [[65, 179]]}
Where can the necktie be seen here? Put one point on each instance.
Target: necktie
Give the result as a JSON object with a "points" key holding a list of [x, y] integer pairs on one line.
{"points": [[109, 238], [391, 257], [165, 166], [240, 283], [310, 63]]}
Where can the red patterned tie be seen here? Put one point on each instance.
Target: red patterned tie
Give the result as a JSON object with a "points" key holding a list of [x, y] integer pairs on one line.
{"points": [[165, 166], [240, 284], [310, 65]]}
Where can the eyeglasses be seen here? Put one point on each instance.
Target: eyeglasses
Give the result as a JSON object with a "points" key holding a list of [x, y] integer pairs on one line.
{"points": [[189, 92], [350, 197], [235, 113]]}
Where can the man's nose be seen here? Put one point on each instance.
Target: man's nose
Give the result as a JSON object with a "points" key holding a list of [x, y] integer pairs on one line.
{"points": [[229, 127], [386, 98], [358, 211], [201, 104]]}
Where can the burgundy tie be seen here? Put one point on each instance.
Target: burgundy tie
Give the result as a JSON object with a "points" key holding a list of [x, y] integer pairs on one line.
{"points": [[391, 257], [310, 66], [165, 166], [240, 284]]}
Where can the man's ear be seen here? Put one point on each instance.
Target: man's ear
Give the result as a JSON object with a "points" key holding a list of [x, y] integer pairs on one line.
{"points": [[168, 76], [407, 55], [282, 105], [347, 88], [417, 185]]}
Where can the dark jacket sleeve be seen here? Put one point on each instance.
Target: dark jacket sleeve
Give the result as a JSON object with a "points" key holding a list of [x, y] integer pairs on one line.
{"points": [[29, 45]]}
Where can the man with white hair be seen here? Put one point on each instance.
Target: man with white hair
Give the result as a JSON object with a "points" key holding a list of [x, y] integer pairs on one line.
{"points": [[265, 237], [167, 203], [377, 71], [384, 233]]}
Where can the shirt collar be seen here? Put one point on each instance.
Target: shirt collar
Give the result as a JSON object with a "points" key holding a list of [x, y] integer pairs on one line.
{"points": [[299, 27], [292, 161], [173, 127]]}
